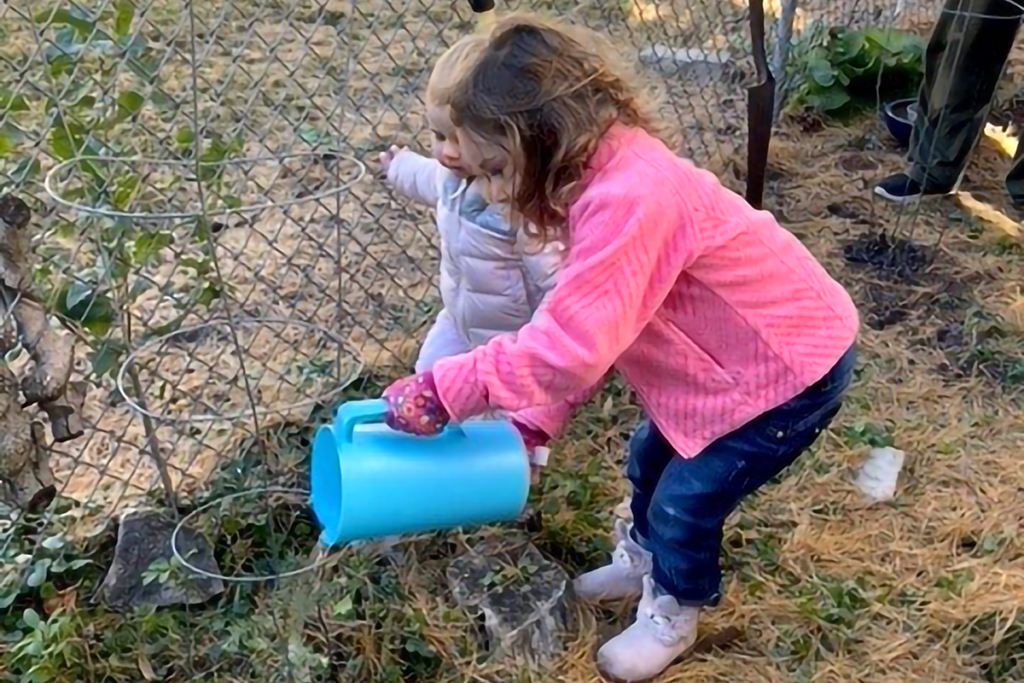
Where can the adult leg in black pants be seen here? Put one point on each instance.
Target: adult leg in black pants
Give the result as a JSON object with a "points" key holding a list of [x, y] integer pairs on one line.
{"points": [[963, 64]]}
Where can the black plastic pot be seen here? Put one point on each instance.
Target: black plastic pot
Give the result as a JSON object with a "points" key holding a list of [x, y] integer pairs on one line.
{"points": [[899, 117]]}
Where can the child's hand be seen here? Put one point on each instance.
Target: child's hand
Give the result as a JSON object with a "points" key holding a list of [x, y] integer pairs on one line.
{"points": [[387, 157], [414, 406], [533, 439]]}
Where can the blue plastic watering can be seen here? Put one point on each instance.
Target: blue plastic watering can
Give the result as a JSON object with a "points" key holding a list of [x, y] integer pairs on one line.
{"points": [[369, 481]]}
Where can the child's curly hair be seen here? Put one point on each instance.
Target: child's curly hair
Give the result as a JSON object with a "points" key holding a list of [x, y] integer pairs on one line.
{"points": [[548, 93], [453, 67]]}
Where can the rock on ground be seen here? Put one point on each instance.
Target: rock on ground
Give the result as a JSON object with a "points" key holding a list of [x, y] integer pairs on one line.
{"points": [[523, 596], [695, 63], [144, 538]]}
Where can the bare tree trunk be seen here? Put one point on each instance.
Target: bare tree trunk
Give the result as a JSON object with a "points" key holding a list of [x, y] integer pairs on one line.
{"points": [[24, 455], [154, 444]]}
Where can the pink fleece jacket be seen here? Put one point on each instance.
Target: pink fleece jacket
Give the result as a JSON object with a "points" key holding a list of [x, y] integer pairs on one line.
{"points": [[712, 312]]}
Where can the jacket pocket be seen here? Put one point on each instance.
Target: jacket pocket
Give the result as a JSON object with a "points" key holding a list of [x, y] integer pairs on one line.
{"points": [[699, 361]]}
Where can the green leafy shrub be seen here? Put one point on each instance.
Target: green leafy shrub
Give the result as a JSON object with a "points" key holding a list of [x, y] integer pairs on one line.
{"points": [[842, 69]]}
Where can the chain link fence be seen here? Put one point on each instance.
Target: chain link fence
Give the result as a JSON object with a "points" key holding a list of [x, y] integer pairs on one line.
{"points": [[215, 239]]}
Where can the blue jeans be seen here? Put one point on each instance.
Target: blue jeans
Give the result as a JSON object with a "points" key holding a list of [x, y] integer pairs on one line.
{"points": [[679, 505]]}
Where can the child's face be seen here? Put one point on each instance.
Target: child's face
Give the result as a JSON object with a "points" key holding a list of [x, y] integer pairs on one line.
{"points": [[446, 148], [492, 164]]}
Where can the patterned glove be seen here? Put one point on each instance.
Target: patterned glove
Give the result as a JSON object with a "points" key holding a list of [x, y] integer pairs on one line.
{"points": [[414, 406]]}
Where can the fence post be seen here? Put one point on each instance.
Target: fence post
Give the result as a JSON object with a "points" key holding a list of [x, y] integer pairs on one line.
{"points": [[485, 10], [760, 109]]}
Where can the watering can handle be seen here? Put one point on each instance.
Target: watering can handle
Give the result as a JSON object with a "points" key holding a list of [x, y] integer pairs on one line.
{"points": [[355, 413]]}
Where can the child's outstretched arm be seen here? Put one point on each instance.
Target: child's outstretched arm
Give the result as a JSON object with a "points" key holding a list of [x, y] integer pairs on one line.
{"points": [[412, 174], [624, 261]]}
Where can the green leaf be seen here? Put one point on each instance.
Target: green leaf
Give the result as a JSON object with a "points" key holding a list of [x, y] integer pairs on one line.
{"points": [[77, 292], [26, 171], [822, 71], [65, 139], [99, 321], [53, 542], [847, 44], [39, 571], [144, 66], [148, 245], [124, 190], [163, 103], [310, 135], [31, 618], [63, 16], [139, 287], [84, 102], [69, 139], [208, 294], [231, 201], [12, 103], [868, 433], [164, 330], [10, 138], [130, 103], [118, 230], [107, 359], [201, 231], [67, 43], [77, 96], [829, 100], [894, 41], [418, 647], [184, 136], [96, 314], [219, 150], [343, 607], [123, 17], [136, 47], [7, 599], [201, 266], [61, 64], [210, 173]]}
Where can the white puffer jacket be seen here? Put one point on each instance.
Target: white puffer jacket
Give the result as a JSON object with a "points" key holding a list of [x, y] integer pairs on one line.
{"points": [[492, 280]]}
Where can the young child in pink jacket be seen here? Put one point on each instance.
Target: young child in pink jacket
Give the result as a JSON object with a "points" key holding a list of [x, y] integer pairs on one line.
{"points": [[736, 341]]}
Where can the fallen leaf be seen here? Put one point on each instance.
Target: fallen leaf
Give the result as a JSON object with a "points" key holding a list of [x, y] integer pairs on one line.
{"points": [[145, 667], [988, 214], [1002, 139]]}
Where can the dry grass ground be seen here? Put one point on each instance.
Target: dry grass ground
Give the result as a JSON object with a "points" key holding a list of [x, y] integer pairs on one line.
{"points": [[823, 586]]}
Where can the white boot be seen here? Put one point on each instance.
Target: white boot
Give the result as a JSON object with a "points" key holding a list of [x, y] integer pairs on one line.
{"points": [[623, 578], [663, 631]]}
